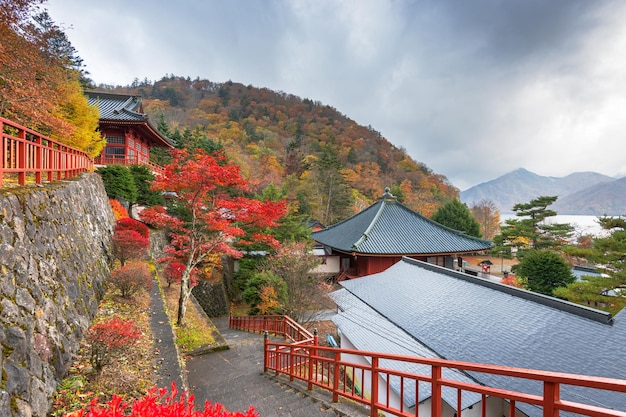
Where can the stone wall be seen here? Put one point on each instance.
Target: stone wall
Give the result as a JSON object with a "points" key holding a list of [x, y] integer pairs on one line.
{"points": [[54, 253]]}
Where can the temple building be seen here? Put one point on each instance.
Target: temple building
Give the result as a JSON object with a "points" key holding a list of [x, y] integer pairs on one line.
{"points": [[379, 236], [128, 132]]}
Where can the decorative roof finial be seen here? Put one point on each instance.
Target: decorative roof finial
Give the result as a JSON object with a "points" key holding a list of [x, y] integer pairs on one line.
{"points": [[387, 195]]}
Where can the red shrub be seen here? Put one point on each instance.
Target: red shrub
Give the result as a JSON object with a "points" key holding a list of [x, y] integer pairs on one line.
{"points": [[132, 224], [129, 244], [158, 404], [173, 272], [131, 278], [110, 338]]}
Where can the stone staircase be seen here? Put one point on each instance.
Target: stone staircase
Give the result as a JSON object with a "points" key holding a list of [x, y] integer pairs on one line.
{"points": [[235, 379]]}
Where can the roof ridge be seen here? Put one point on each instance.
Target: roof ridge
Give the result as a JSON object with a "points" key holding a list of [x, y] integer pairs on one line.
{"points": [[365, 234]]}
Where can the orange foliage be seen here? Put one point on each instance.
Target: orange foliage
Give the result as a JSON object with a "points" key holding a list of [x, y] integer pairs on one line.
{"points": [[119, 211]]}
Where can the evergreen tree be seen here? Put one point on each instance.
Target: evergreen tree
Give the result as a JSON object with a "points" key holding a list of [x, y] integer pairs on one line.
{"points": [[456, 215], [118, 183], [606, 291], [532, 230], [142, 178], [543, 271]]}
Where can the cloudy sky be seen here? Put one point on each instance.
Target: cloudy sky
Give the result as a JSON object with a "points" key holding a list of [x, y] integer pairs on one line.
{"points": [[472, 88]]}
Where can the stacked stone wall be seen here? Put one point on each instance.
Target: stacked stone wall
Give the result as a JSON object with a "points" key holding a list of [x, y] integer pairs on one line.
{"points": [[54, 257]]}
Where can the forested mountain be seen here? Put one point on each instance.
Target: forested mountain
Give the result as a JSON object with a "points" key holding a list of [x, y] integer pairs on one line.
{"points": [[328, 163]]}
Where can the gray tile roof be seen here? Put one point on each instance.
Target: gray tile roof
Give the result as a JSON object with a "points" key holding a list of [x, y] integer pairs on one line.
{"points": [[117, 106], [388, 227], [460, 317], [372, 332]]}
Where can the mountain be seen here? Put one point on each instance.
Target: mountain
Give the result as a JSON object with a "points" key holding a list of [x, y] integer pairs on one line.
{"points": [[297, 145], [579, 193]]}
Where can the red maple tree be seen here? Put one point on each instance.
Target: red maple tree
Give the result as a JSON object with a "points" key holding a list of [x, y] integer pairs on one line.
{"points": [[212, 192], [129, 244]]}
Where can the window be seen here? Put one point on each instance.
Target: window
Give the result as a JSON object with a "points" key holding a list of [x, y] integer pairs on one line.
{"points": [[114, 150], [116, 140]]}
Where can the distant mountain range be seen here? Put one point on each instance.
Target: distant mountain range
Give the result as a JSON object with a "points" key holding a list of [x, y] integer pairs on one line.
{"points": [[584, 193]]}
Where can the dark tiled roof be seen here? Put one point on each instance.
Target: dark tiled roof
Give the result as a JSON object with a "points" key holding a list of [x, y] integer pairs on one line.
{"points": [[372, 332], [460, 317], [117, 106], [123, 109], [389, 227]]}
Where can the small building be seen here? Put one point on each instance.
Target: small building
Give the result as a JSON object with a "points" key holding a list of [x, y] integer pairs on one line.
{"points": [[127, 130], [379, 236], [418, 309]]}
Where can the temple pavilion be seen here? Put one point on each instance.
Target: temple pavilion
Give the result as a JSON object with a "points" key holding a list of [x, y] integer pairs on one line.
{"points": [[379, 236]]}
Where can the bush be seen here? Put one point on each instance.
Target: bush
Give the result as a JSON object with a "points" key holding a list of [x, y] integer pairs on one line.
{"points": [[118, 182], [131, 278], [158, 403], [132, 224], [119, 211], [129, 244], [173, 272], [110, 338]]}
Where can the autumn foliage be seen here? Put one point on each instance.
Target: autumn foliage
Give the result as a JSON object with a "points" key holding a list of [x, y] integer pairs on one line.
{"points": [[131, 278], [130, 240], [110, 338], [158, 403], [119, 211], [210, 190], [132, 224]]}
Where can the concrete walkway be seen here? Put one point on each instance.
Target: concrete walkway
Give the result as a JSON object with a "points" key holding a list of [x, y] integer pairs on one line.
{"points": [[235, 379]]}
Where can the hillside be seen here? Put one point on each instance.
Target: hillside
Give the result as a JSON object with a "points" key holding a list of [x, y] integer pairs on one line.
{"points": [[298, 144], [575, 191]]}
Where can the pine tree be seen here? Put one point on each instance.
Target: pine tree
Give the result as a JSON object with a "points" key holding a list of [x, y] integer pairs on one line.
{"points": [[456, 215]]}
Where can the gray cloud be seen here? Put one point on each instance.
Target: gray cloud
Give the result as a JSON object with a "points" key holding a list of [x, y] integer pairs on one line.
{"points": [[473, 89]]}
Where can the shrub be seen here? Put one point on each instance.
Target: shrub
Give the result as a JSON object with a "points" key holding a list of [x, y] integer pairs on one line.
{"points": [[119, 211], [157, 403], [173, 272], [132, 224], [129, 244], [131, 278], [109, 338]]}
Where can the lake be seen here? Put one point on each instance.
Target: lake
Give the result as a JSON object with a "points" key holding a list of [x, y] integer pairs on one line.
{"points": [[583, 225]]}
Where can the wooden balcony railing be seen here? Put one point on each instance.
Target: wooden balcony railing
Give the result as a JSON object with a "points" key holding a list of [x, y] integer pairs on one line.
{"points": [[129, 160], [24, 151], [370, 382]]}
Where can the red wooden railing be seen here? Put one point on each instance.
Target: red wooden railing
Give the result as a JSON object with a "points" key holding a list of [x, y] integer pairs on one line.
{"points": [[129, 160], [277, 325], [324, 367], [24, 151]]}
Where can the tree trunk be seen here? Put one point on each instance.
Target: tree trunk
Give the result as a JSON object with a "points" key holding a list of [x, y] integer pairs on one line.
{"points": [[185, 293]]}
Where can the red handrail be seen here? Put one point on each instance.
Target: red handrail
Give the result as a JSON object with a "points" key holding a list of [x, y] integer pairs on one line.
{"points": [[24, 151], [328, 368], [130, 160], [277, 325]]}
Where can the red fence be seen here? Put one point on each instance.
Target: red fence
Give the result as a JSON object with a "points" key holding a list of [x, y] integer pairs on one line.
{"points": [[130, 160], [328, 368], [24, 151]]}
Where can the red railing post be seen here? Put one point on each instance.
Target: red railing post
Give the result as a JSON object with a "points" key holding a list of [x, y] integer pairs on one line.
{"points": [[436, 402], [336, 376], [21, 157], [266, 350], [374, 387], [551, 395], [312, 355], [292, 361]]}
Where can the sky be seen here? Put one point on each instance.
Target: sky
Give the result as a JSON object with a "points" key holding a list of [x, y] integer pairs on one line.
{"points": [[474, 89]]}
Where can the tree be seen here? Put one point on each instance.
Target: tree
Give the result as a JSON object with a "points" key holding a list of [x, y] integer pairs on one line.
{"points": [[266, 293], [110, 338], [543, 271], [533, 231], [209, 190], [118, 183], [487, 215], [294, 264], [129, 244], [457, 216], [142, 178], [608, 253]]}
